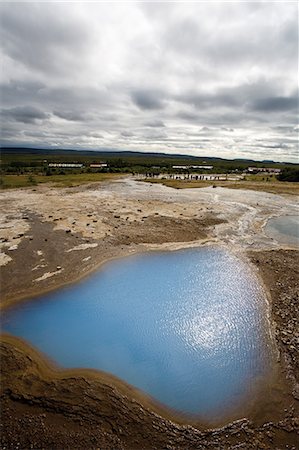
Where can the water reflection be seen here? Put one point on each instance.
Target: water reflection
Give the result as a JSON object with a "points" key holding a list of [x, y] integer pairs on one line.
{"points": [[187, 327], [284, 229]]}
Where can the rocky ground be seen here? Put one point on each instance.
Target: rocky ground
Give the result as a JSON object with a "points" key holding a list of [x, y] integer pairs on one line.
{"points": [[50, 237]]}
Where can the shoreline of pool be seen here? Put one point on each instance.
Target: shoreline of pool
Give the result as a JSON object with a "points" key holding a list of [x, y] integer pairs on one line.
{"points": [[258, 388], [135, 424], [50, 367]]}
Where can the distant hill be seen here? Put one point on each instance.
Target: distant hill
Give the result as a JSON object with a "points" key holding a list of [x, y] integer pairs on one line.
{"points": [[102, 153], [10, 154]]}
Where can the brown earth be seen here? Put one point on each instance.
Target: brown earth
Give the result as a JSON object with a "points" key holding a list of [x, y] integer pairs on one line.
{"points": [[44, 407], [68, 265]]}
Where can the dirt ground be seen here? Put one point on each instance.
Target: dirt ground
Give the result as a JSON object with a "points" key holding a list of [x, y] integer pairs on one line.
{"points": [[50, 237]]}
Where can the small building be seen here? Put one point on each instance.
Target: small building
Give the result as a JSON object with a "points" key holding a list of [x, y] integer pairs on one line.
{"points": [[98, 165], [193, 167], [202, 167], [66, 165], [263, 170]]}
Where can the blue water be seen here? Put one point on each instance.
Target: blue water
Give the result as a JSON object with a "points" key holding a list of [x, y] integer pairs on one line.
{"points": [[284, 229], [186, 327]]}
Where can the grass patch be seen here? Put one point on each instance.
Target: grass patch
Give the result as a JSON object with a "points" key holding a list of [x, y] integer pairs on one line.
{"points": [[68, 180], [273, 187]]}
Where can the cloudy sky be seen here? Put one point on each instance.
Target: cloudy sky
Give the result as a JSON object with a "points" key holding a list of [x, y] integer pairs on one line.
{"points": [[211, 79]]}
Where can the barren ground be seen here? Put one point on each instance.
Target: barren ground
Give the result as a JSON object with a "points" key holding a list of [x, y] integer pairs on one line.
{"points": [[50, 237]]}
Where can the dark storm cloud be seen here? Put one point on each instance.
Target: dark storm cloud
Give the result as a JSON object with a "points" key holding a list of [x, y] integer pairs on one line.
{"points": [[148, 99], [24, 114]]}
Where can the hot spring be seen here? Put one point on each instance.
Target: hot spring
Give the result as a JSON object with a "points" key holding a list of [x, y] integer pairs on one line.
{"points": [[188, 327]]}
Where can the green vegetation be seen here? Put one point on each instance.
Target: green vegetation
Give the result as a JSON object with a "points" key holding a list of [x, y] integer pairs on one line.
{"points": [[289, 174], [68, 180], [23, 160], [22, 167]]}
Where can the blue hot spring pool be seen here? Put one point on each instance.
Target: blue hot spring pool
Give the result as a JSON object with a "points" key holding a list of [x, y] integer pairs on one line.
{"points": [[187, 327]]}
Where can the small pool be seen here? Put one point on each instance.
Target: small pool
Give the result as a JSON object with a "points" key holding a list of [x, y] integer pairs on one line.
{"points": [[284, 229], [187, 327]]}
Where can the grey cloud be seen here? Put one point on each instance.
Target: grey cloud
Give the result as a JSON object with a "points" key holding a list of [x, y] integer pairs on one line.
{"points": [[96, 135], [276, 104], [290, 33], [214, 42], [187, 115], [230, 130], [109, 117], [277, 145], [155, 124], [61, 99], [25, 114], [186, 65], [8, 133], [229, 97], [283, 128], [127, 134], [183, 35], [41, 37], [70, 98], [70, 115], [148, 99], [16, 91], [155, 134]]}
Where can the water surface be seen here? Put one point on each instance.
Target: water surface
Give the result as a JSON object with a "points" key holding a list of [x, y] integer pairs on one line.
{"points": [[284, 229], [187, 327]]}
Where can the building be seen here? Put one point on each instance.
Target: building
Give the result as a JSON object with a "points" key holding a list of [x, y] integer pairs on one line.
{"points": [[98, 165], [66, 165], [193, 167], [263, 170]]}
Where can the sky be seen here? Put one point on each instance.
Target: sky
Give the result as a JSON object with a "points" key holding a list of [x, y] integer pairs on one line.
{"points": [[201, 78]]}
